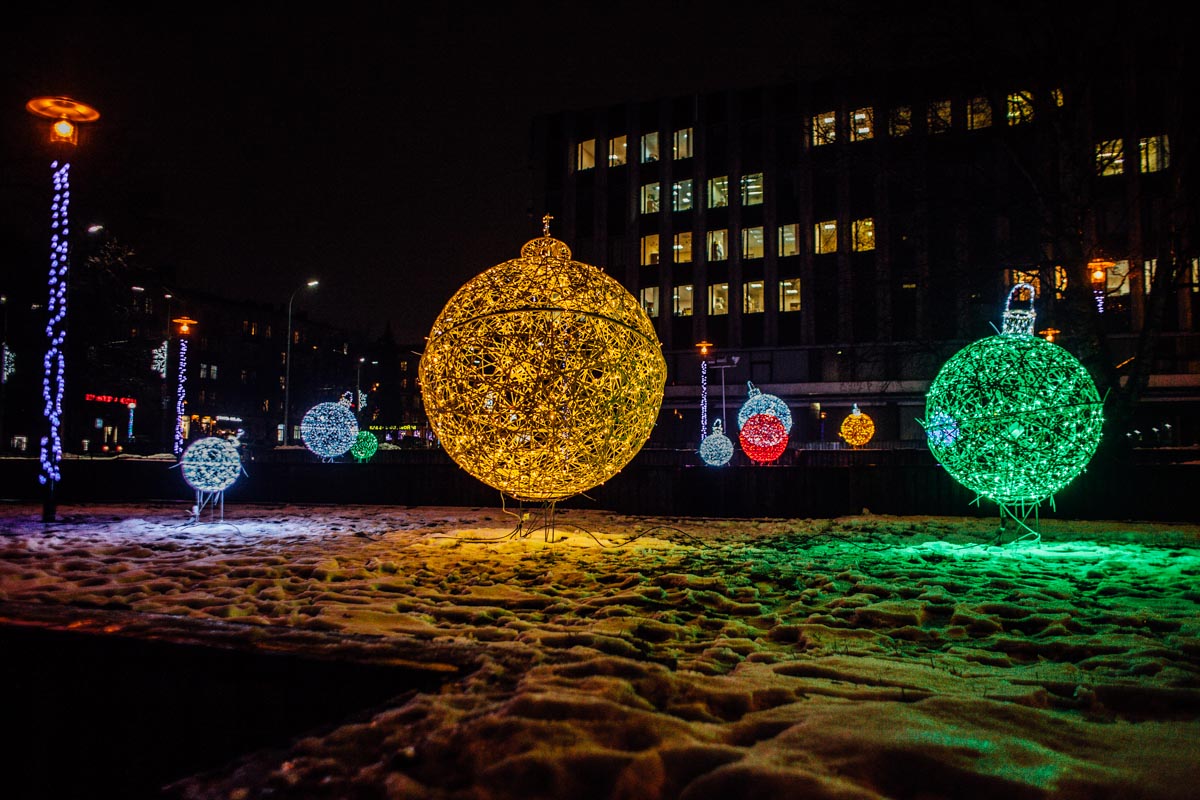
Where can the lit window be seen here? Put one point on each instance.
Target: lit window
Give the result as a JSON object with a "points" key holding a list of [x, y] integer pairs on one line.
{"points": [[718, 245], [718, 192], [682, 297], [979, 113], [900, 121], [862, 125], [212, 371], [1110, 157], [1032, 277], [616, 151], [1118, 278], [789, 240], [650, 249], [752, 189], [1020, 108], [585, 154], [752, 242], [789, 294], [1149, 268], [1195, 275], [939, 118], [204, 370], [649, 147], [862, 232], [825, 237], [682, 146], [1154, 154], [649, 299], [681, 195], [650, 198], [718, 299], [824, 128], [752, 297], [683, 247]]}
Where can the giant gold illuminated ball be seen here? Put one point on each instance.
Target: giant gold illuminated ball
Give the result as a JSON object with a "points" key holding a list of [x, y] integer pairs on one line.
{"points": [[542, 377]]}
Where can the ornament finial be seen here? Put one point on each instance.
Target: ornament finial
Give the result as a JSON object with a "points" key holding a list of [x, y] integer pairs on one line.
{"points": [[546, 224], [1019, 322]]}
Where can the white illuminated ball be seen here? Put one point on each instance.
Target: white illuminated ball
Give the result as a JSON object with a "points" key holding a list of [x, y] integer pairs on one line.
{"points": [[211, 464], [329, 429]]}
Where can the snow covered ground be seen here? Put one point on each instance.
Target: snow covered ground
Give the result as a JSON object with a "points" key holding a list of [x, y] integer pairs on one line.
{"points": [[610, 656]]}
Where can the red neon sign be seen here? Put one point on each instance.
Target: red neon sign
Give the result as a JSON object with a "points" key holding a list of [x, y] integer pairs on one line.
{"points": [[108, 398]]}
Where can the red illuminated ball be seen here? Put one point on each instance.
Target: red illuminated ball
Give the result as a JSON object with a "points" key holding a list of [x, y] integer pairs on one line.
{"points": [[763, 438]]}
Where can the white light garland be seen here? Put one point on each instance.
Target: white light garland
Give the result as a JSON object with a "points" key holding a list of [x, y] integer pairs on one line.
{"points": [[10, 365], [703, 400], [158, 359]]}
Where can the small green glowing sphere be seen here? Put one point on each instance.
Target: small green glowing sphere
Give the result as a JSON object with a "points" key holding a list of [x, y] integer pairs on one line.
{"points": [[1014, 418], [365, 445]]}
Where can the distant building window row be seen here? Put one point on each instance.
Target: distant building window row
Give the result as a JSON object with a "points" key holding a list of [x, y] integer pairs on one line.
{"points": [[753, 298], [251, 328], [1154, 155], [939, 117], [683, 199], [618, 152], [825, 241]]}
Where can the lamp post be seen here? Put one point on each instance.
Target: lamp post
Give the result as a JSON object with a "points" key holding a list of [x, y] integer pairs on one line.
{"points": [[184, 324], [5, 364], [65, 116], [704, 345], [287, 361], [358, 390]]}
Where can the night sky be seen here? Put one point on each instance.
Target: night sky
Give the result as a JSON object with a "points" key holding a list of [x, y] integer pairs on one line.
{"points": [[386, 154]]}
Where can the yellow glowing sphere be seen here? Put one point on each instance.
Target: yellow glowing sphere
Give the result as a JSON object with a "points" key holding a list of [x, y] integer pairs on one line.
{"points": [[857, 428], [542, 377]]}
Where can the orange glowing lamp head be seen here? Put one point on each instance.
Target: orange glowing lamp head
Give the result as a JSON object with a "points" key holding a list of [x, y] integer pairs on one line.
{"points": [[65, 115], [184, 324]]}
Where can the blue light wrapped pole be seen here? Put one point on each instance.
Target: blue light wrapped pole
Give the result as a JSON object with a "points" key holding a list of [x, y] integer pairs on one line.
{"points": [[65, 115]]}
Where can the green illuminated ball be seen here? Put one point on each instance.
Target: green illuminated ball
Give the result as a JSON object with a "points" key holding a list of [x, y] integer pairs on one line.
{"points": [[365, 445], [1014, 418]]}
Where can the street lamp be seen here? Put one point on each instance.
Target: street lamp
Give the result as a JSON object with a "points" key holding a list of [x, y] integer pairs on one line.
{"points": [[184, 324], [65, 115], [358, 390], [287, 361]]}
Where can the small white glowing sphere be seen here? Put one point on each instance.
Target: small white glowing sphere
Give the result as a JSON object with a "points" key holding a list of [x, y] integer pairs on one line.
{"points": [[211, 464], [329, 429], [717, 449]]}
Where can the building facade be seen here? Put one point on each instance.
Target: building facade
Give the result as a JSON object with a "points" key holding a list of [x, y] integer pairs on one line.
{"points": [[834, 242]]}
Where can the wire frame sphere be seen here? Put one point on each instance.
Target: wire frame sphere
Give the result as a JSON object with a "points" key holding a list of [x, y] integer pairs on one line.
{"points": [[759, 403], [211, 464], [366, 444], [329, 429], [542, 376], [763, 438], [717, 449], [857, 428], [1013, 417]]}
